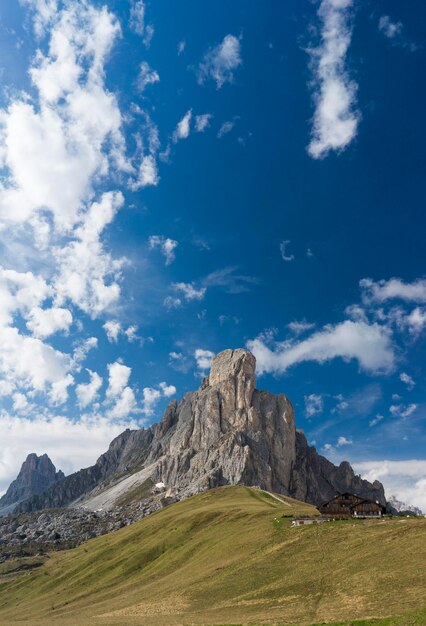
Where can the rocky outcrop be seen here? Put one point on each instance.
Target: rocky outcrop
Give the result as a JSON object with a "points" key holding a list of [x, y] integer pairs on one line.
{"points": [[227, 432], [126, 452], [36, 475], [315, 479]]}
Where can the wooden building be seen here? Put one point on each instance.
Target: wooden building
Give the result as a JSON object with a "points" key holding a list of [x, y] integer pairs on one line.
{"points": [[345, 505]]}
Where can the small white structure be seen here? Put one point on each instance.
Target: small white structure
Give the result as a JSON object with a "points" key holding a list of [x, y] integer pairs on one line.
{"points": [[303, 521], [158, 488]]}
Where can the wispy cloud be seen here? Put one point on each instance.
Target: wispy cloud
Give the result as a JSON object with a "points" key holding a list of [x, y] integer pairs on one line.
{"points": [[166, 245], [220, 62], [314, 404], [394, 32], [283, 249], [336, 119], [369, 344], [230, 280], [394, 288]]}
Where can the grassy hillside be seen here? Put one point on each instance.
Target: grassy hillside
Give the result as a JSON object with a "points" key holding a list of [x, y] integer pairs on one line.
{"points": [[228, 556]]}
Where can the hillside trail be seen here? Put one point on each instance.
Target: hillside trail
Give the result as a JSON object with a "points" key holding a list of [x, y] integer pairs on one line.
{"points": [[276, 497]]}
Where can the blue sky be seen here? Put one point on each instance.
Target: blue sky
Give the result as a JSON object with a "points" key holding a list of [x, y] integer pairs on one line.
{"points": [[178, 178]]}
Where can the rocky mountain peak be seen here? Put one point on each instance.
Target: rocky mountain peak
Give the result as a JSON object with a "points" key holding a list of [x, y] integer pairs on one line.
{"points": [[233, 372], [37, 474]]}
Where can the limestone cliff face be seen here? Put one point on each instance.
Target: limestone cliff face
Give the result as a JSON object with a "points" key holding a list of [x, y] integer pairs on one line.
{"points": [[227, 432]]}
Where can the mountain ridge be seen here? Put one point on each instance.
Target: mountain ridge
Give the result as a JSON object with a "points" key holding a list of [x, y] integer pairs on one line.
{"points": [[228, 432]]}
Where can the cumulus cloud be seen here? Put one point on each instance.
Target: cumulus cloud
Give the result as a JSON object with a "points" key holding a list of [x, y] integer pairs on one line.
{"points": [[220, 62], [88, 392], [70, 123], [189, 291], [203, 359], [166, 245], [112, 329], [283, 249], [88, 275], [343, 441], [336, 119], [118, 377], [45, 322], [183, 127], [369, 344], [314, 404], [151, 397]]}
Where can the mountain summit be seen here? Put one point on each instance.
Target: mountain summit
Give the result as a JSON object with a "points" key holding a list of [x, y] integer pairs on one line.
{"points": [[227, 432], [36, 475]]}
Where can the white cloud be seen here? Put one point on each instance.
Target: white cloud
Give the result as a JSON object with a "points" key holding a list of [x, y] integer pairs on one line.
{"points": [[124, 405], [88, 276], [203, 359], [225, 129], [81, 351], [88, 392], [58, 436], [221, 61], [147, 76], [20, 402], [181, 47], [395, 288], [404, 479], [189, 291], [118, 377], [68, 126], [43, 11], [342, 441], [168, 390], [283, 249], [314, 404], [369, 344], [401, 410], [407, 380], [45, 322], [229, 280], [137, 22], [172, 303], [112, 329], [167, 247], [152, 396], [183, 127], [376, 420], [148, 173], [202, 122], [335, 119], [300, 327], [388, 28]]}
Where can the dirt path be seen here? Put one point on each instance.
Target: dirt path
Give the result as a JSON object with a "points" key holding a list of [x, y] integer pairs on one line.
{"points": [[276, 497]]}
